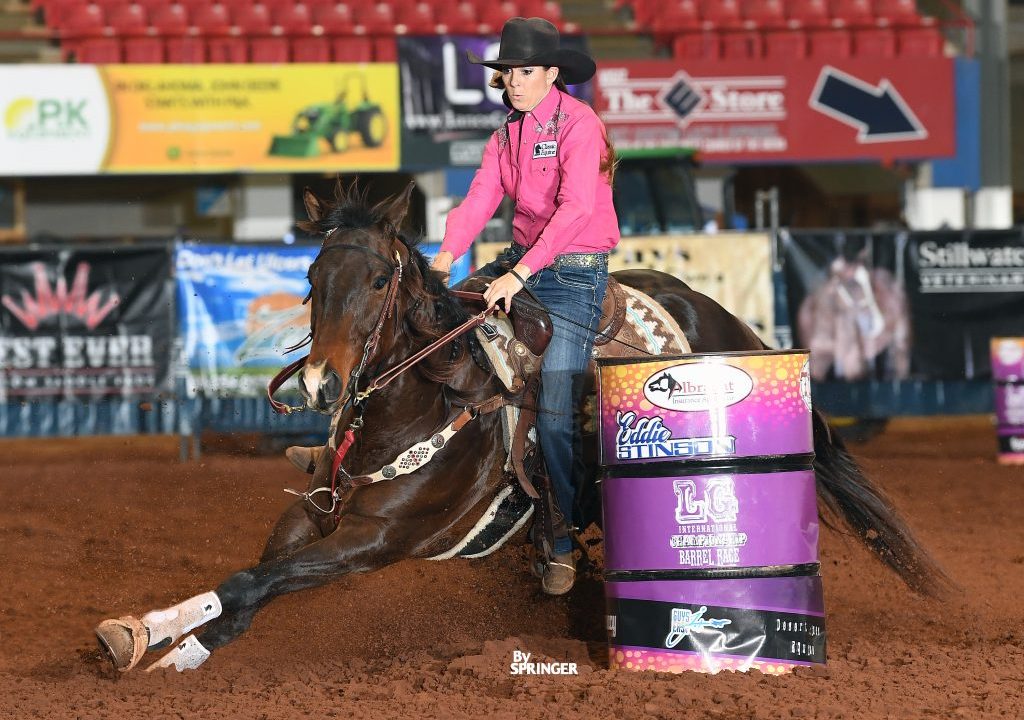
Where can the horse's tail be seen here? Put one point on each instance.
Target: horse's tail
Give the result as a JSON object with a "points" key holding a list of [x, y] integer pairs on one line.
{"points": [[849, 494]]}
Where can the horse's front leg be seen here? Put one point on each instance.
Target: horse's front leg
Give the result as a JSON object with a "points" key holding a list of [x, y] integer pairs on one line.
{"points": [[359, 544]]}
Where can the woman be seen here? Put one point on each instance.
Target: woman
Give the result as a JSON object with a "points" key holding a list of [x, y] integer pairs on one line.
{"points": [[553, 159]]}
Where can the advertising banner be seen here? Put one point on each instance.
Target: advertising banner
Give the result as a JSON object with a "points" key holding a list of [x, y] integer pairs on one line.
{"points": [[889, 306], [735, 270], [240, 307], [776, 110], [81, 323], [61, 119], [448, 109]]}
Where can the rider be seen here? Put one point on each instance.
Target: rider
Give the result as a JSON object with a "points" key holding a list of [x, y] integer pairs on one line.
{"points": [[553, 159]]}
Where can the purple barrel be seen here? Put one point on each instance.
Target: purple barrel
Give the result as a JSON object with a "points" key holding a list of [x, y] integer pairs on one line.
{"points": [[1008, 376], [769, 624], [710, 512]]}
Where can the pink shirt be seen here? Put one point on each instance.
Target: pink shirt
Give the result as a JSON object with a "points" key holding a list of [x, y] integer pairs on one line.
{"points": [[548, 163]]}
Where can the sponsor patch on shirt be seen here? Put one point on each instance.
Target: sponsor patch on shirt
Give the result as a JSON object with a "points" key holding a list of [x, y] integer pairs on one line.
{"points": [[545, 149]]}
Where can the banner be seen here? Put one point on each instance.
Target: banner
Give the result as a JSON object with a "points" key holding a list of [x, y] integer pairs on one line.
{"points": [[890, 306], [240, 307], [93, 322], [732, 269], [66, 119], [776, 110], [448, 109]]}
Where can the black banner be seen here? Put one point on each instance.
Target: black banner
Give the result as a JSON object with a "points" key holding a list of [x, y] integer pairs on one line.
{"points": [[448, 110], [94, 322], [898, 305]]}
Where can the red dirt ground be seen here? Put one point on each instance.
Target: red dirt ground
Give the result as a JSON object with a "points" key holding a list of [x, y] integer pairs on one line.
{"points": [[96, 528]]}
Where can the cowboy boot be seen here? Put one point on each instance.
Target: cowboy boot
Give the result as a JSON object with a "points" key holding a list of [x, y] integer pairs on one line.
{"points": [[559, 574], [304, 458]]}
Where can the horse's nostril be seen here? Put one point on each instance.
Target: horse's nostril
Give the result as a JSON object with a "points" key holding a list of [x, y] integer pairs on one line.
{"points": [[330, 388]]}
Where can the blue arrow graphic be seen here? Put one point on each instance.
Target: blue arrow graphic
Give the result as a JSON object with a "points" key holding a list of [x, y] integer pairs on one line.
{"points": [[879, 113]]}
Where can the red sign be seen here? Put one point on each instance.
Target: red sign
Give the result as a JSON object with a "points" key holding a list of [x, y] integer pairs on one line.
{"points": [[741, 111]]}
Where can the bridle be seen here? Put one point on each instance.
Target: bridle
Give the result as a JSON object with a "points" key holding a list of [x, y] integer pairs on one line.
{"points": [[339, 442]]}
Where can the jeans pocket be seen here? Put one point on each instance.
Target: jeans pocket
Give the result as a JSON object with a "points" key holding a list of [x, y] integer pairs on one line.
{"points": [[574, 277]]}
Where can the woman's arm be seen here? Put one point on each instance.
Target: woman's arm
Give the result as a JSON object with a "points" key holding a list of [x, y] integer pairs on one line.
{"points": [[466, 221]]}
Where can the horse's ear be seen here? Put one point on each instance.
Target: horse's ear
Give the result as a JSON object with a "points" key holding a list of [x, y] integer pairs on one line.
{"points": [[398, 207], [314, 206]]}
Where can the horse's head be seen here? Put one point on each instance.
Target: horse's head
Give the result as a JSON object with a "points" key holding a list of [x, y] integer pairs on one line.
{"points": [[356, 310]]}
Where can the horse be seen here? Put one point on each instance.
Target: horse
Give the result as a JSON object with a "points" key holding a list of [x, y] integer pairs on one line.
{"points": [[374, 302]]}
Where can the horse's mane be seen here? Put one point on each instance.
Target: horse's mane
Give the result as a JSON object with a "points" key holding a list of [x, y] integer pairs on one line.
{"points": [[431, 310]]}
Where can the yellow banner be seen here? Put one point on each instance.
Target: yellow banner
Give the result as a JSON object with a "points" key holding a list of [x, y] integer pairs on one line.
{"points": [[251, 118]]}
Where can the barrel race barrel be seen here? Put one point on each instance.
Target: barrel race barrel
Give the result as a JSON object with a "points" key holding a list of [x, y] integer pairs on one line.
{"points": [[710, 515], [1008, 376]]}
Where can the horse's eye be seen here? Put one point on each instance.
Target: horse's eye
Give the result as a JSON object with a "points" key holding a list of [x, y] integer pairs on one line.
{"points": [[380, 282]]}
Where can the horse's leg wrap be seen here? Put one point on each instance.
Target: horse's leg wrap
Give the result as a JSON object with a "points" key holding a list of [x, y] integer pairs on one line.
{"points": [[186, 655], [166, 626]]}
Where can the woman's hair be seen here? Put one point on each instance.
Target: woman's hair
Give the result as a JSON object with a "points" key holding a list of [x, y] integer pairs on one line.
{"points": [[608, 162]]}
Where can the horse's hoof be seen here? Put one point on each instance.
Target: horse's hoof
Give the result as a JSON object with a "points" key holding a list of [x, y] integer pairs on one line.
{"points": [[123, 641]]}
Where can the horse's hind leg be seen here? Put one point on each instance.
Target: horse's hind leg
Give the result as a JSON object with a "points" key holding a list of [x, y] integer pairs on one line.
{"points": [[296, 528]]}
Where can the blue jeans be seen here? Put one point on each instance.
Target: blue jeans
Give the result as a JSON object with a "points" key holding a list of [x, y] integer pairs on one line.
{"points": [[573, 295]]}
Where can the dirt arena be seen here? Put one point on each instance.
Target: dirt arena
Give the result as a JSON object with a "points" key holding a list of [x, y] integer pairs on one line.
{"points": [[96, 528]]}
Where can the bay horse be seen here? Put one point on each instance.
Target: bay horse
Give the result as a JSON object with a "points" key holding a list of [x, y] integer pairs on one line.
{"points": [[375, 302]]}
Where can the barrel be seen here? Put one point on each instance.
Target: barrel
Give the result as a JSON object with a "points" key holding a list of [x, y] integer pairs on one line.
{"points": [[710, 513], [1008, 377]]}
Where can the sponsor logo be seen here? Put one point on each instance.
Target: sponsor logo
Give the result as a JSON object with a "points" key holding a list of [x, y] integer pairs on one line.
{"points": [[695, 387], [1010, 352], [545, 149], [1017, 444], [684, 621], [28, 118], [522, 665], [645, 438], [51, 301]]}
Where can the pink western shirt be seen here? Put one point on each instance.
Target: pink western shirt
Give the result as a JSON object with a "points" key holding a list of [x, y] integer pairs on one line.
{"points": [[548, 163]]}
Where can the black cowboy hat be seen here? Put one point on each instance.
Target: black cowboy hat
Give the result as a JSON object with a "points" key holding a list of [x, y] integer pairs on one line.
{"points": [[535, 41]]}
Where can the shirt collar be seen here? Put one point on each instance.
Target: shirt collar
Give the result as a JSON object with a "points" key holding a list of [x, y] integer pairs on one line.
{"points": [[546, 108]]}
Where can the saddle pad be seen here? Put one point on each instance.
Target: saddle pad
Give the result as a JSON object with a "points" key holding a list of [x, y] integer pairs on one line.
{"points": [[647, 326]]}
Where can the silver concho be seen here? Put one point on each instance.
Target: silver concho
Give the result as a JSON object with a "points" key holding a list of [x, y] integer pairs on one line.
{"points": [[437, 441], [388, 471]]}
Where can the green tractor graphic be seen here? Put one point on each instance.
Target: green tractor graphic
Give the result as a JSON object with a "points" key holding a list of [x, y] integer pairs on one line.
{"points": [[334, 122]]}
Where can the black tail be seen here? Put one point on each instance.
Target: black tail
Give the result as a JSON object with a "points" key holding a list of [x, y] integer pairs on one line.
{"points": [[848, 494]]}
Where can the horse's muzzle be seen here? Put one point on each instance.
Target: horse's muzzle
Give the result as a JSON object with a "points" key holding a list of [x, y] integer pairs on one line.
{"points": [[321, 387]]}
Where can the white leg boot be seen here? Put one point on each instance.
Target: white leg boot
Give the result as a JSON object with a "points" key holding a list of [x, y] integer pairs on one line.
{"points": [[186, 655], [166, 626]]}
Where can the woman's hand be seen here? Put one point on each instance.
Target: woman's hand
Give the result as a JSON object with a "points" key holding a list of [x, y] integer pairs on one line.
{"points": [[503, 288], [442, 263]]}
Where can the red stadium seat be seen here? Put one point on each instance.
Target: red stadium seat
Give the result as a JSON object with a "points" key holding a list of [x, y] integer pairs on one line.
{"points": [[417, 20], [677, 16], [741, 45], [920, 42], [376, 17], [901, 13], [85, 20], [211, 19], [294, 19], [458, 19], [56, 12], [645, 12], [855, 13], [877, 42], [128, 20], [697, 46], [253, 19], [766, 13], [495, 15], [829, 44], [268, 50], [311, 50], [809, 13], [223, 44], [785, 45], [83, 37], [188, 49], [169, 20], [353, 48], [722, 14], [335, 19]]}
